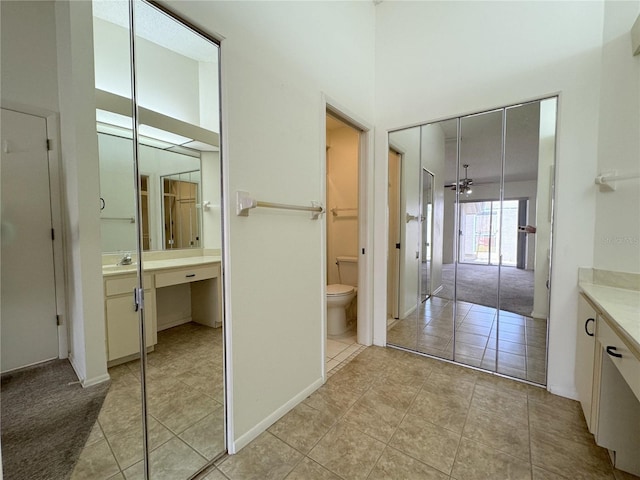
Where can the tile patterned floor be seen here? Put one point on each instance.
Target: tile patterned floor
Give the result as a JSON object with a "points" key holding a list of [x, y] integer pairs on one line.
{"points": [[521, 341], [186, 423], [390, 414], [341, 349]]}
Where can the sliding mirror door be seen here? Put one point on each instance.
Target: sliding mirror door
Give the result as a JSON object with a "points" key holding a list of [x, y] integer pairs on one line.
{"points": [[404, 237], [178, 96], [478, 193], [526, 233], [168, 228], [484, 185]]}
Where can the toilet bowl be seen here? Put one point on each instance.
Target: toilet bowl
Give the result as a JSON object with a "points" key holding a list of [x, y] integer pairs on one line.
{"points": [[338, 299]]}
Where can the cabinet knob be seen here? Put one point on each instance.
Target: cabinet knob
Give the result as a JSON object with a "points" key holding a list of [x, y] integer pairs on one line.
{"points": [[612, 351], [586, 324]]}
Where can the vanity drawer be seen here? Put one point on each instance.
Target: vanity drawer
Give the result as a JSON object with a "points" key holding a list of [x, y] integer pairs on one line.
{"points": [[125, 284], [186, 275], [628, 364]]}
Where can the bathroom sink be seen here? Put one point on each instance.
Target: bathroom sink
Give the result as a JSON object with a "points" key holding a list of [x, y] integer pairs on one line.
{"points": [[118, 268]]}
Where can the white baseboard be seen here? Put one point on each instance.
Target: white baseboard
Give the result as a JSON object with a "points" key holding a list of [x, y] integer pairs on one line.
{"points": [[174, 323], [96, 380], [563, 391], [253, 433]]}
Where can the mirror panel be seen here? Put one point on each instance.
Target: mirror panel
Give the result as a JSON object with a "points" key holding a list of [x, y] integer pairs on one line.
{"points": [[438, 155], [479, 226], [484, 239], [185, 374], [404, 237]]}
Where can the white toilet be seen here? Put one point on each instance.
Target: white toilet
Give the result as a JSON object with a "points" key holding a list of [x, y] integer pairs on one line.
{"points": [[340, 296]]}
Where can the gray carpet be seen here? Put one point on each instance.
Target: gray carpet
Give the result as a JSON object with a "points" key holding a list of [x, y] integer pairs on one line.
{"points": [[478, 284], [46, 419]]}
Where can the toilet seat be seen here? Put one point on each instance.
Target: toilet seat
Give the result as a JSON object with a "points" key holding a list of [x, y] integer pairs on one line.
{"points": [[337, 290]]}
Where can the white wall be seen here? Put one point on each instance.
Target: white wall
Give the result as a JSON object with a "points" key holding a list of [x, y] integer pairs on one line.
{"points": [[277, 60], [617, 230], [167, 82], [342, 192], [435, 60], [81, 184]]}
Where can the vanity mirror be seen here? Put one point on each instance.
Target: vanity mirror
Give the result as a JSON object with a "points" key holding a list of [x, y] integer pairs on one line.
{"points": [[170, 194]]}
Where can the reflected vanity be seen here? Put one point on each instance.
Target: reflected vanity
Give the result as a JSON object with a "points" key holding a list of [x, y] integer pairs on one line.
{"points": [[468, 278]]}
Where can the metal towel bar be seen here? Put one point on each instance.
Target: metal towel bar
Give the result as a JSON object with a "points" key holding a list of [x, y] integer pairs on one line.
{"points": [[245, 202]]}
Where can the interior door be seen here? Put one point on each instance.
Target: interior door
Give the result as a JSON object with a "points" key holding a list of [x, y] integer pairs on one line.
{"points": [[29, 328]]}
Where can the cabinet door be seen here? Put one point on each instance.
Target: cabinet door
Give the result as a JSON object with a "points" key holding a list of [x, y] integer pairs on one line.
{"points": [[585, 352], [122, 326]]}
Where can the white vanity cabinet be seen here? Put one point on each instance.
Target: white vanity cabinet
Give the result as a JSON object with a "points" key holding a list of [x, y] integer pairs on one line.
{"points": [[202, 276], [121, 317], [608, 379], [585, 356]]}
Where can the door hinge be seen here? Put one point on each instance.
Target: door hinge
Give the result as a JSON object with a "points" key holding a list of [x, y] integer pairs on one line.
{"points": [[398, 246], [58, 320], [53, 234], [49, 148]]}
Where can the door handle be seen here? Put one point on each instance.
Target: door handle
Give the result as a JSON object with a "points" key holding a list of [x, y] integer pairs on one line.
{"points": [[612, 351], [586, 324], [190, 275]]}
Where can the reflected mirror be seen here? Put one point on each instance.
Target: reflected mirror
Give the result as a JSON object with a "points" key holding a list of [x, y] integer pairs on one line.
{"points": [[486, 212]]}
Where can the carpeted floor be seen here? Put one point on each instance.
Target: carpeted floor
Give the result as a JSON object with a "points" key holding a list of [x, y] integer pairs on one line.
{"points": [[478, 284], [46, 420]]}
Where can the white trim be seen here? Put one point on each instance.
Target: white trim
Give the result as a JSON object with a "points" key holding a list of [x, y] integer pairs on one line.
{"points": [[225, 209], [365, 215], [269, 420], [95, 381]]}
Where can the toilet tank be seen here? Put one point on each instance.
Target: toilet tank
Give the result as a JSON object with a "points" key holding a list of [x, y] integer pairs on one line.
{"points": [[348, 270]]}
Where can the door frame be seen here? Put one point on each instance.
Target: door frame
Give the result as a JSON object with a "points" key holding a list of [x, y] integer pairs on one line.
{"points": [[395, 310], [54, 158], [365, 219]]}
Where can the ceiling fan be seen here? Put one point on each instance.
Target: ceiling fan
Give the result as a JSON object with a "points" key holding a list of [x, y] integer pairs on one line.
{"points": [[464, 184]]}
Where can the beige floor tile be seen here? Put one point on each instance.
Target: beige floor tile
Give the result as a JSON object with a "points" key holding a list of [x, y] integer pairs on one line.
{"points": [[127, 446], [496, 431], [96, 462], [180, 407], [95, 435], [476, 461], [620, 475], [117, 476], [303, 427], [207, 436], [214, 475], [471, 339], [427, 442], [563, 423], [395, 464], [440, 383], [347, 452], [332, 399], [447, 411], [307, 469], [331, 364], [173, 460], [265, 458], [510, 405], [541, 474], [569, 458], [334, 347]]}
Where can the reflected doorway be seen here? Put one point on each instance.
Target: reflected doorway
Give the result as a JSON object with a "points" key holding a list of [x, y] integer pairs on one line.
{"points": [[427, 233]]}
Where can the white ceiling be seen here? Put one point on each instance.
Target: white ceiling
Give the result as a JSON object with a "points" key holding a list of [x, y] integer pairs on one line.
{"points": [[154, 26], [481, 145]]}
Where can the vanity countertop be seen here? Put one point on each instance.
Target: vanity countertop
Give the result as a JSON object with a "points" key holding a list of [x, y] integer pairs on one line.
{"points": [[164, 264], [619, 305]]}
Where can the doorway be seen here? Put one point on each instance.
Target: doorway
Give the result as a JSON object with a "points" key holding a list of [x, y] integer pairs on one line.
{"points": [[29, 322], [342, 238]]}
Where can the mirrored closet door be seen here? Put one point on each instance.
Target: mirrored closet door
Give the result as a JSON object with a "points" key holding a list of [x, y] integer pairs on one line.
{"points": [[157, 111], [474, 199]]}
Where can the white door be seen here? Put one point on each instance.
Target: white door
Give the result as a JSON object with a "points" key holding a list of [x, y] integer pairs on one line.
{"points": [[28, 330]]}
